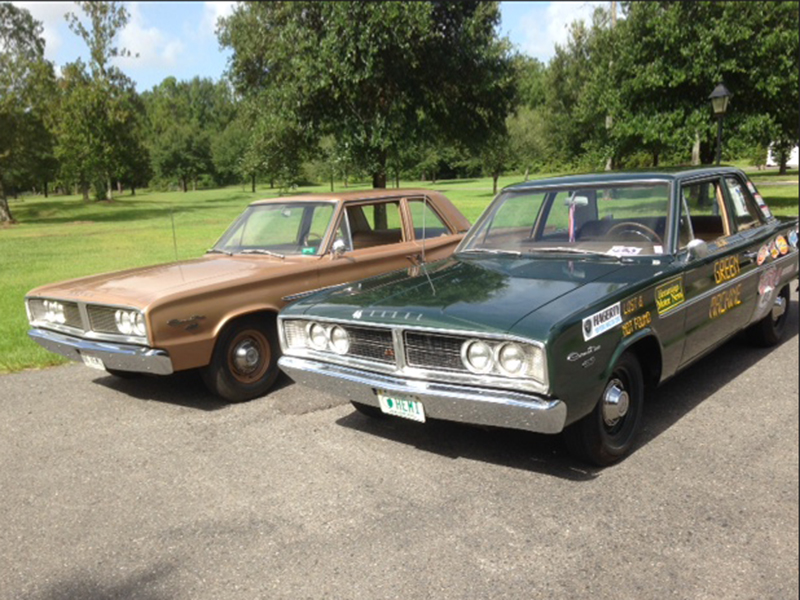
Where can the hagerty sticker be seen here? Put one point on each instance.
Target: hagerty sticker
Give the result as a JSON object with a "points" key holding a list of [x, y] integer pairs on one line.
{"points": [[602, 321]]}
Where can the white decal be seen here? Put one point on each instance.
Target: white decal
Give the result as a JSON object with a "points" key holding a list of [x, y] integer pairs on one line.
{"points": [[602, 321], [624, 251]]}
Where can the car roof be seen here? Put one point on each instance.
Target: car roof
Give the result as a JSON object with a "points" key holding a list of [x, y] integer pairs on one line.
{"points": [[666, 175], [370, 194]]}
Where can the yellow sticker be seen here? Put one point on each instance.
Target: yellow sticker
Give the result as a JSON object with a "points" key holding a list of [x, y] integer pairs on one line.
{"points": [[669, 295]]}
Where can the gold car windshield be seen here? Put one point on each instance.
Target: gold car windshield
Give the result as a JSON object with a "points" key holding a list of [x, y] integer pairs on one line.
{"points": [[281, 229], [627, 220]]}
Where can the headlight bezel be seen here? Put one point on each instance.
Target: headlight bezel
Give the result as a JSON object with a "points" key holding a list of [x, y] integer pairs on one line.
{"points": [[130, 322]]}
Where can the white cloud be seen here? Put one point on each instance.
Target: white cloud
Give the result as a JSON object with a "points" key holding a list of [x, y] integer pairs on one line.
{"points": [[51, 14], [153, 47], [541, 36], [212, 12]]}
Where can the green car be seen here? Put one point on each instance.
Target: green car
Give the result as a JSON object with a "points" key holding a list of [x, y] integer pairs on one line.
{"points": [[566, 302]]}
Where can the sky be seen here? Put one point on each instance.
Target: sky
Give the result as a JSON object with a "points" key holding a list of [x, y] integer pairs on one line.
{"points": [[178, 38]]}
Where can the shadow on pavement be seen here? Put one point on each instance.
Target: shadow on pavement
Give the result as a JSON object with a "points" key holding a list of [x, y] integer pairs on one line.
{"points": [[547, 454], [185, 388]]}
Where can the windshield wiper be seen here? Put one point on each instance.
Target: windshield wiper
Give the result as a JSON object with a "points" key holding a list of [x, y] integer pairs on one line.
{"points": [[262, 251], [492, 251], [564, 249], [218, 251]]}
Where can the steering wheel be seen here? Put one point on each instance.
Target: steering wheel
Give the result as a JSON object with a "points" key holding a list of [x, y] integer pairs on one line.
{"points": [[311, 236], [635, 228]]}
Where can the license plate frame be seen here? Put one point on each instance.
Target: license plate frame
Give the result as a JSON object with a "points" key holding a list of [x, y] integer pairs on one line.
{"points": [[398, 405], [93, 362]]}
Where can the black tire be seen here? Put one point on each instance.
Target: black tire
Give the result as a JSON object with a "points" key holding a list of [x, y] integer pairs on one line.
{"points": [[769, 331], [371, 411], [124, 374], [244, 364], [605, 436]]}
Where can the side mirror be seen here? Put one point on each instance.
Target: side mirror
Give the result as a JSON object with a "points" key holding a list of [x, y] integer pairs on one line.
{"points": [[339, 247], [697, 249]]}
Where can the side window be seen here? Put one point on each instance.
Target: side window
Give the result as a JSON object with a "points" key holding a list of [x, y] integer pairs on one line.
{"points": [[746, 213], [427, 223], [704, 205], [375, 224]]}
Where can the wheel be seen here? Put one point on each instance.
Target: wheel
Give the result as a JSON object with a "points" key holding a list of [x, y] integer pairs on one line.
{"points": [[636, 229], [606, 435], [769, 330], [371, 411], [244, 364], [312, 239], [124, 374]]}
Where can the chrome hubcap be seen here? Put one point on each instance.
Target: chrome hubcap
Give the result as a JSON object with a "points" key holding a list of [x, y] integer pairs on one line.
{"points": [[246, 357], [615, 402], [779, 307]]}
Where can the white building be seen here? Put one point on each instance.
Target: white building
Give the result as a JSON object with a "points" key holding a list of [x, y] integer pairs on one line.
{"points": [[791, 163]]}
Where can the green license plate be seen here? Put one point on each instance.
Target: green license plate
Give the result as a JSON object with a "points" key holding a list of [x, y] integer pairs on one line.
{"points": [[402, 407]]}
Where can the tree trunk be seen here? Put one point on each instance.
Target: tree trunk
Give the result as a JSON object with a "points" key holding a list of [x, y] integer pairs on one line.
{"points": [[133, 189], [495, 177], [45, 189], [345, 179], [397, 179], [119, 186], [109, 187], [379, 176], [85, 191], [331, 181], [194, 184], [655, 158], [5, 210], [527, 173], [184, 185], [696, 149], [782, 160]]}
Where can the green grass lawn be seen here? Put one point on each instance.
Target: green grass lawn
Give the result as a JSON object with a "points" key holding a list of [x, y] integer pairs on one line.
{"points": [[62, 237]]}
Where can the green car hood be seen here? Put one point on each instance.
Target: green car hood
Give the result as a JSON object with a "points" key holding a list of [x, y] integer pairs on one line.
{"points": [[484, 295]]}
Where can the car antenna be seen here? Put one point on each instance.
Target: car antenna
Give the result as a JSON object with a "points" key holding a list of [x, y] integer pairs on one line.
{"points": [[175, 240]]}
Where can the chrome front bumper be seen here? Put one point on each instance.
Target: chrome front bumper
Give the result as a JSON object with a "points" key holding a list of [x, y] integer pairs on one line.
{"points": [[464, 404], [120, 357]]}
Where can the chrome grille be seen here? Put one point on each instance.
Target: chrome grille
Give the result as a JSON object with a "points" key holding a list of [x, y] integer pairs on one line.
{"points": [[373, 344], [428, 351], [101, 318]]}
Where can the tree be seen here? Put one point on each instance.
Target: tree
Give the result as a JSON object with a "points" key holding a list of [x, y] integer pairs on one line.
{"points": [[26, 81], [406, 72], [97, 132]]}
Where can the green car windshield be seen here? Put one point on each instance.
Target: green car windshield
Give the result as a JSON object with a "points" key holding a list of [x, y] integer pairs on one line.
{"points": [[279, 229], [622, 220]]}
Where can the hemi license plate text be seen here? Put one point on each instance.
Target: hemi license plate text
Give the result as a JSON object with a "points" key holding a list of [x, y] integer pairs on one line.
{"points": [[402, 407]]}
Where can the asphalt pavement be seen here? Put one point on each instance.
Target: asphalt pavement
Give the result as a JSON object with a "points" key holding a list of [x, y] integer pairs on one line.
{"points": [[151, 489]]}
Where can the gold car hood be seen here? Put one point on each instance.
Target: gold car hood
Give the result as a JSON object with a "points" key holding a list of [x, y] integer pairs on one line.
{"points": [[141, 286]]}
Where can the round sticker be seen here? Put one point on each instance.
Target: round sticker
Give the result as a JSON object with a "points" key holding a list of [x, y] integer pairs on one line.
{"points": [[773, 250], [762, 255], [793, 238], [780, 243]]}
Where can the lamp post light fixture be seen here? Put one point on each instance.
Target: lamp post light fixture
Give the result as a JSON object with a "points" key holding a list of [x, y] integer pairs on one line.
{"points": [[719, 102]]}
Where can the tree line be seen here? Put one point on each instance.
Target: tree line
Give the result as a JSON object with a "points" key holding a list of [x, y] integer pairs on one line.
{"points": [[337, 91]]}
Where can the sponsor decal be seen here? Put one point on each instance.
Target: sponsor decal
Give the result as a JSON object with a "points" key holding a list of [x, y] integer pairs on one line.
{"points": [[624, 250], [632, 305], [762, 205], [766, 290], [669, 295], [726, 269], [725, 301], [780, 243], [602, 321], [636, 323], [773, 250], [793, 238], [763, 252], [573, 356]]}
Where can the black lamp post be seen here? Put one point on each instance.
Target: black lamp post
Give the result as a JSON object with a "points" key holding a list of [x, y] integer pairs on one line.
{"points": [[719, 102]]}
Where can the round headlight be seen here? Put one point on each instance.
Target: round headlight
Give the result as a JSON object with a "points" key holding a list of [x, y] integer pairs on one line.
{"points": [[317, 336], [123, 320], [477, 356], [511, 359], [139, 327], [340, 340]]}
